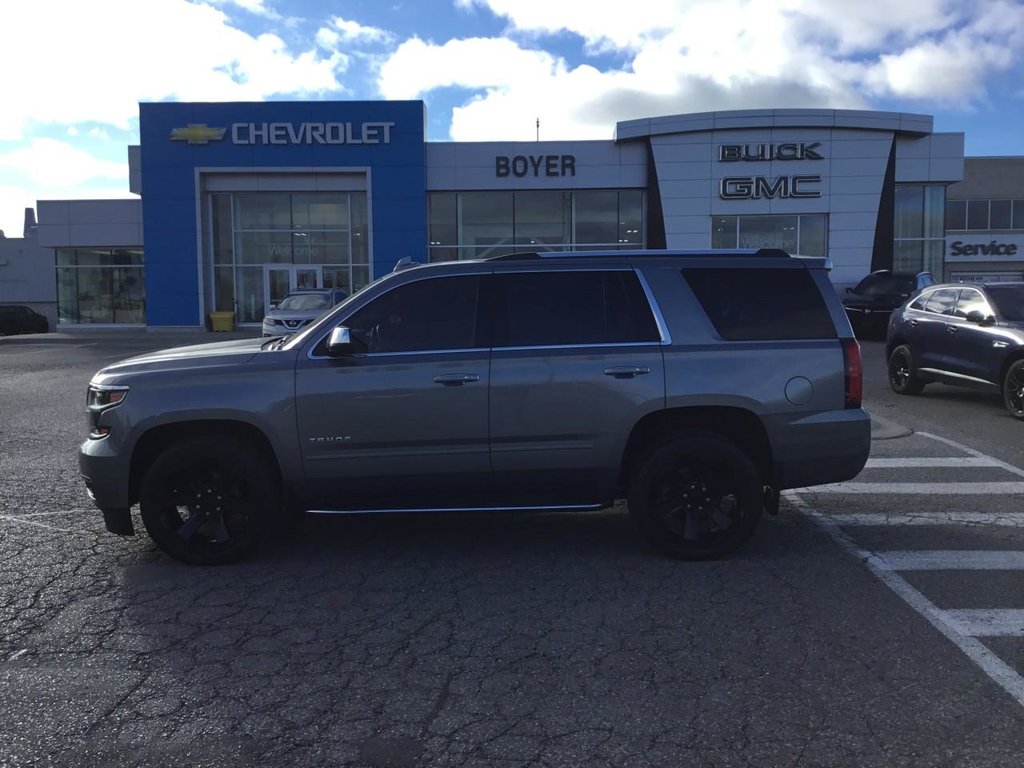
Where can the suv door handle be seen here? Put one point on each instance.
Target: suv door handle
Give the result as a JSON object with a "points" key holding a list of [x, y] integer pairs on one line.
{"points": [[456, 379], [626, 371], [952, 329]]}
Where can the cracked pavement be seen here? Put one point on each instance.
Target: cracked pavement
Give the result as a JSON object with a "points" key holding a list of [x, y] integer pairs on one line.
{"points": [[450, 640]]}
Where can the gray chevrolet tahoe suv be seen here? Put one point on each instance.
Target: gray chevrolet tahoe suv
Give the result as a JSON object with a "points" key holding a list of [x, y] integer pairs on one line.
{"points": [[696, 386]]}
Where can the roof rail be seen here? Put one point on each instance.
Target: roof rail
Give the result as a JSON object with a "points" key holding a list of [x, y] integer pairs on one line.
{"points": [[405, 263], [632, 253]]}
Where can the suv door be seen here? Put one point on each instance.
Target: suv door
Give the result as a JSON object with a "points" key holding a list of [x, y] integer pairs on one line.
{"points": [[975, 350], [402, 423], [576, 361], [932, 338]]}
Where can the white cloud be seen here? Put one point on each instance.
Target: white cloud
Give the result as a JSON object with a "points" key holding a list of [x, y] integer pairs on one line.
{"points": [[160, 49], [53, 163], [417, 67], [341, 30], [699, 55]]}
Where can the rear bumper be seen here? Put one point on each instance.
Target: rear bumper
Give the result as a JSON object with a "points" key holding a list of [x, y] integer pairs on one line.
{"points": [[827, 447]]}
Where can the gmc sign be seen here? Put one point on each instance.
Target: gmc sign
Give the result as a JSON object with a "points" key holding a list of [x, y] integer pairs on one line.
{"points": [[758, 187]]}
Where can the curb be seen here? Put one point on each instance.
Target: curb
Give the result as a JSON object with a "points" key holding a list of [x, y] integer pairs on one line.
{"points": [[884, 429]]}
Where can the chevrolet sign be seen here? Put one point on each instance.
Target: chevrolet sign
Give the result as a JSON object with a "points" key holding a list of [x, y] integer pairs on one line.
{"points": [[197, 133], [288, 133]]}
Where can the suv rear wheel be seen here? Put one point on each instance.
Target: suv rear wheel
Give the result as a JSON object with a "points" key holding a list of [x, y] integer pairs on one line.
{"points": [[209, 500], [696, 496], [903, 378]]}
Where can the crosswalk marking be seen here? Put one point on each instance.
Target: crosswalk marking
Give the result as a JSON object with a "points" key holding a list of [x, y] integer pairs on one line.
{"points": [[949, 560], [883, 519], [961, 626], [937, 489], [945, 622], [988, 622], [945, 461]]}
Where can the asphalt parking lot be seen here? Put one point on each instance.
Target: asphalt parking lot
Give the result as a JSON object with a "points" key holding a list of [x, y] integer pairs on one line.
{"points": [[870, 624]]}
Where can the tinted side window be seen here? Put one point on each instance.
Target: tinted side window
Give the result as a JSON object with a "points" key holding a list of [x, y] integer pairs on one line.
{"points": [[437, 313], [752, 304], [535, 309], [970, 301], [942, 301], [920, 301]]}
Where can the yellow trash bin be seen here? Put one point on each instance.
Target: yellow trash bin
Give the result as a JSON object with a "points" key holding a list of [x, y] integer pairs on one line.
{"points": [[222, 321]]}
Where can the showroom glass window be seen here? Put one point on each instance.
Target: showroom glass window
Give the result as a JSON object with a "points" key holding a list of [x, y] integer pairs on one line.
{"points": [[102, 286], [967, 215], [919, 228], [252, 230], [477, 225], [796, 234]]}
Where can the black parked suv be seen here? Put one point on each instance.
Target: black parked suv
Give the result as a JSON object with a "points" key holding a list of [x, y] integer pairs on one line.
{"points": [[871, 302], [15, 318], [968, 334], [695, 385]]}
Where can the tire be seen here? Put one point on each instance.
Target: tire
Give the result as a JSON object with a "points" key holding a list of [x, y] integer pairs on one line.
{"points": [[903, 376], [696, 497], [1013, 389], [210, 500]]}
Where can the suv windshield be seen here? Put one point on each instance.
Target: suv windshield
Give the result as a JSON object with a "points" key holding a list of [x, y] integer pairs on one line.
{"points": [[1009, 300], [887, 284], [300, 301]]}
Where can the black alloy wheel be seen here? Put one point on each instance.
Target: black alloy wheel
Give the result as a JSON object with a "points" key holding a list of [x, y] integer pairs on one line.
{"points": [[697, 497], [1013, 389], [209, 501], [903, 377]]}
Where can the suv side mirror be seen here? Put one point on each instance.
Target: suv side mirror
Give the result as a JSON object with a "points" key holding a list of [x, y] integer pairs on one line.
{"points": [[340, 342], [979, 317]]}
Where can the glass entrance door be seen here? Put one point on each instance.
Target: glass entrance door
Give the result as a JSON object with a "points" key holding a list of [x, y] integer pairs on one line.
{"points": [[281, 279]]}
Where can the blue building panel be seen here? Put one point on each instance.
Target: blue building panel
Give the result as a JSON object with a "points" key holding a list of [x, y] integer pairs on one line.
{"points": [[177, 139]]}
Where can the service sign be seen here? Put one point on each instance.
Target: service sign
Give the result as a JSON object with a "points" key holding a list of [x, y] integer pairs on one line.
{"points": [[986, 246]]}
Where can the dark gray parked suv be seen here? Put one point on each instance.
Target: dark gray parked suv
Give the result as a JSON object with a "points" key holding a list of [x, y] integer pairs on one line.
{"points": [[695, 385]]}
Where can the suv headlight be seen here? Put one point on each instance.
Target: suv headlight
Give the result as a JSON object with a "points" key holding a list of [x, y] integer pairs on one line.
{"points": [[98, 399], [101, 397]]}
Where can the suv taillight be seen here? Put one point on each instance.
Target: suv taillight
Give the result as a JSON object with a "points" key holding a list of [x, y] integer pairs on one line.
{"points": [[853, 373]]}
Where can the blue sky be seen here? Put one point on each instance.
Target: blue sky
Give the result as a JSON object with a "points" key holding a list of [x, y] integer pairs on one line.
{"points": [[75, 71]]}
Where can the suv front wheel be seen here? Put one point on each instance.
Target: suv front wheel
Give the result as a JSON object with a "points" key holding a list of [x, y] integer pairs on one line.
{"points": [[696, 497], [209, 500]]}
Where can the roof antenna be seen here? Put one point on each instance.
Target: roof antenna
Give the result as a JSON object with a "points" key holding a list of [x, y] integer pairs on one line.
{"points": [[538, 129]]}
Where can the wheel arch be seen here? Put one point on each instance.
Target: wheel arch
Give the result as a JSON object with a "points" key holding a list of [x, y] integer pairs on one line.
{"points": [[740, 426], [153, 442], [1017, 353]]}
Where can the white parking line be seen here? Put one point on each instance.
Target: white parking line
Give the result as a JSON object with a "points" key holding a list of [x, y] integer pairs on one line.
{"points": [[883, 519], [21, 519], [950, 560], [998, 670], [945, 461], [988, 622], [936, 489]]}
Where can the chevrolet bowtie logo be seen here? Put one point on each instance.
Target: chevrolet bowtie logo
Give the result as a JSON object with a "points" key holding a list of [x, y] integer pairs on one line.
{"points": [[197, 133]]}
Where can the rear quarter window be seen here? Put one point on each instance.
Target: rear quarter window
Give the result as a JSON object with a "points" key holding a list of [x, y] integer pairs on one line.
{"points": [[760, 304]]}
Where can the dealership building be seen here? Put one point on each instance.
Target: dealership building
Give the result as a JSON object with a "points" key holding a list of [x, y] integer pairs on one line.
{"points": [[241, 203]]}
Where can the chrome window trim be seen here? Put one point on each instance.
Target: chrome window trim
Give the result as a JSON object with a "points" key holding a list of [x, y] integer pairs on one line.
{"points": [[619, 344], [666, 337], [417, 352]]}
